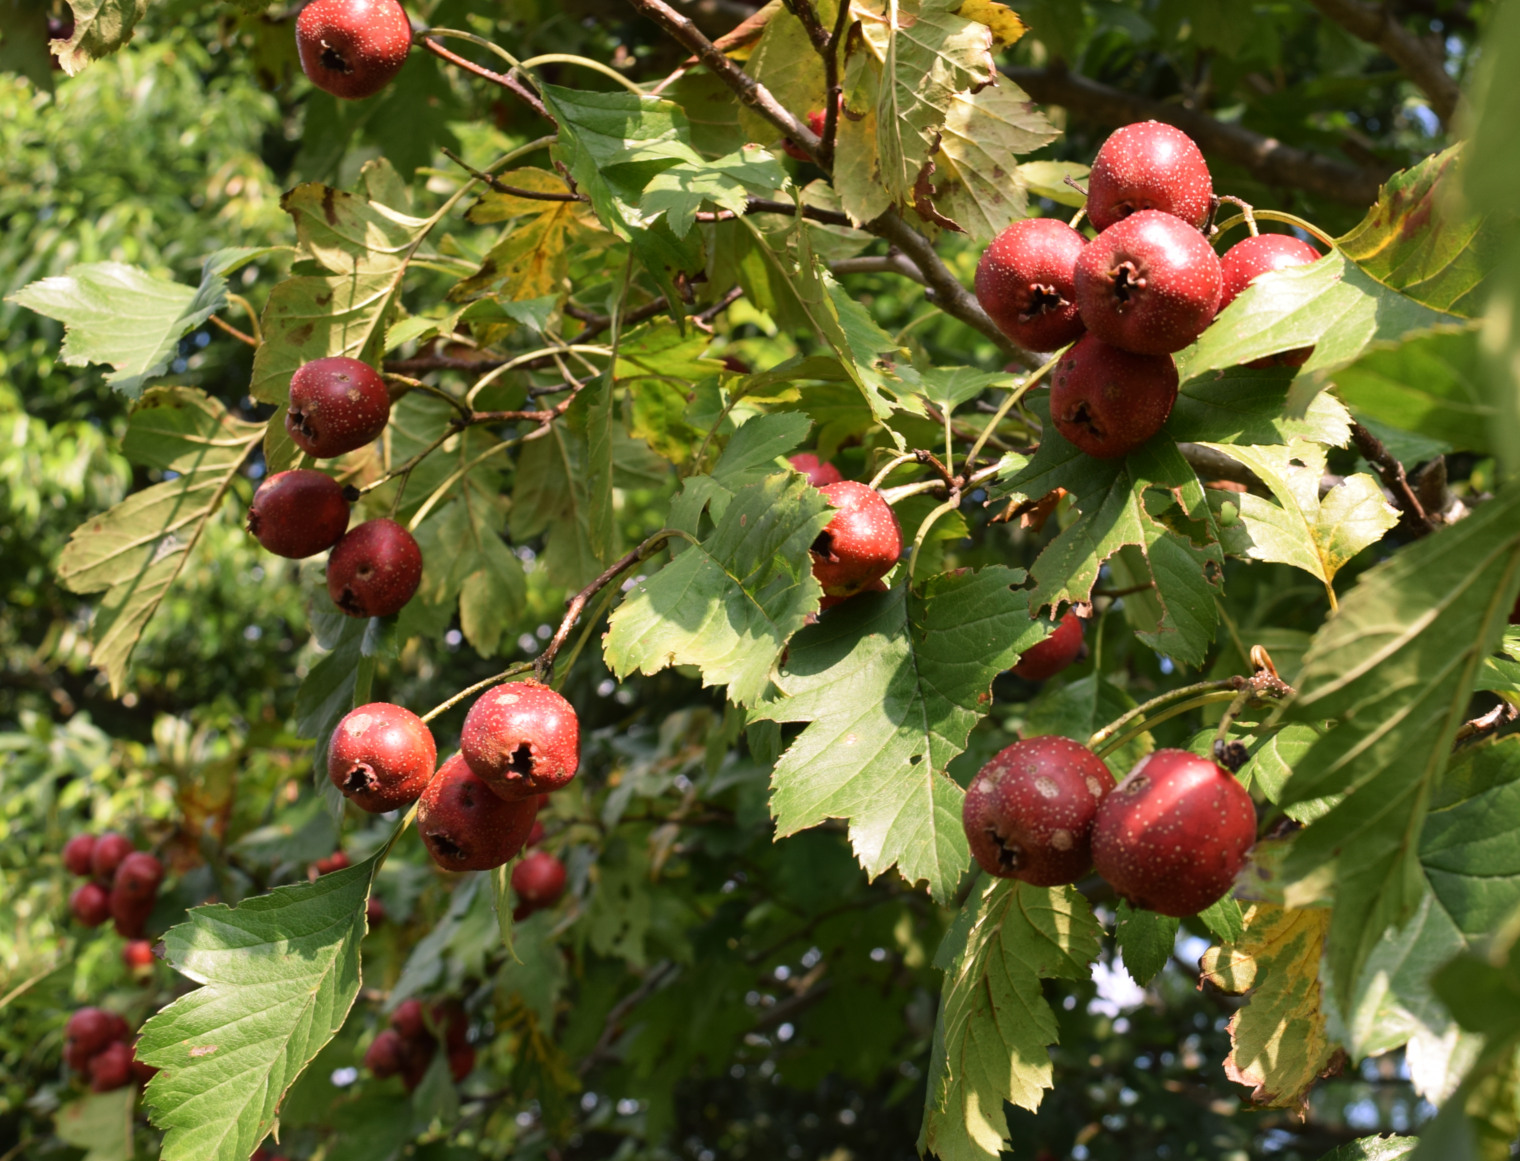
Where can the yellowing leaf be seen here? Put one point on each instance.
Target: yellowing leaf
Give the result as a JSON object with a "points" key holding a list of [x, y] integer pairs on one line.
{"points": [[531, 260], [1279, 1047], [1004, 21]]}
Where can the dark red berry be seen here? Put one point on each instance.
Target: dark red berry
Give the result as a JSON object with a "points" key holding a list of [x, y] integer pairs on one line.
{"points": [[1149, 166], [1247, 259], [450, 1018], [91, 904], [129, 916], [137, 954], [1148, 284], [142, 1073], [374, 570], [1174, 834], [536, 835], [1043, 661], [110, 849], [860, 544], [1026, 282], [1029, 813], [374, 912], [333, 862], [1108, 402], [416, 1057], [91, 1029], [77, 854], [299, 513], [539, 880], [353, 48], [381, 757], [385, 1054], [336, 405], [461, 1062], [137, 878], [111, 1068], [818, 472], [465, 825], [815, 119], [409, 1020], [522, 740]]}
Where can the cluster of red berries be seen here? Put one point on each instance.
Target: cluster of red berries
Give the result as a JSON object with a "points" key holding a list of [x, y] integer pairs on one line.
{"points": [[337, 405], [1171, 837], [860, 544], [408, 1046], [95, 1046], [1144, 288], [353, 48], [123, 885]]}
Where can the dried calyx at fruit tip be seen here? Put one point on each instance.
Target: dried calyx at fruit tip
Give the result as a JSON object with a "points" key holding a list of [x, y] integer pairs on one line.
{"points": [[468, 827], [381, 757], [1108, 402], [1026, 282], [337, 404], [860, 544], [352, 48], [522, 739]]}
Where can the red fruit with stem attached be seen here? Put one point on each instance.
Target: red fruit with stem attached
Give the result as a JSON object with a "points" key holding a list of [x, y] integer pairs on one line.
{"points": [[1245, 260], [111, 1068], [386, 1054], [91, 904], [381, 757], [1045, 660], [353, 48], [374, 570], [336, 405], [1148, 284], [1174, 834], [1026, 282], [465, 825], [1029, 813], [1108, 402], [818, 472], [91, 1029], [860, 544], [1149, 166], [522, 740], [77, 853], [299, 513], [137, 954], [539, 880], [110, 848]]}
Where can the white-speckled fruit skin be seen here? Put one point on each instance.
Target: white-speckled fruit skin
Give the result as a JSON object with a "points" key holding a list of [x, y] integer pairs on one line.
{"points": [[353, 48], [464, 826], [1149, 166], [861, 543], [1148, 284], [1174, 834], [1108, 402], [522, 713], [1029, 812], [381, 757], [336, 405], [1033, 259], [374, 570]]}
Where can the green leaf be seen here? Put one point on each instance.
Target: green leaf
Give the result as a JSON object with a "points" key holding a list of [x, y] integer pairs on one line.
{"points": [[1395, 668], [949, 387], [531, 260], [1145, 941], [100, 28], [591, 415], [549, 497], [1246, 405], [658, 366], [1468, 846], [729, 604], [891, 686], [332, 686], [100, 1124], [725, 182], [134, 552], [991, 1041], [752, 454], [1373, 1149], [1225, 919], [279, 973]]}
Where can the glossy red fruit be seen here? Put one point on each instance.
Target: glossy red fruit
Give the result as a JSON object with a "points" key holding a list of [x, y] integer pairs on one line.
{"points": [[137, 954], [818, 472], [385, 1054], [461, 1062], [1108, 402], [77, 853], [333, 862], [91, 904], [374, 570], [409, 1020], [522, 740], [91, 1029], [539, 880], [299, 513], [111, 1068], [1245, 260], [138, 877], [465, 825], [129, 916], [353, 48], [1029, 813], [1174, 834], [860, 544], [110, 849], [1149, 166], [827, 602], [1026, 282], [336, 405], [1043, 661], [381, 757], [1148, 284]]}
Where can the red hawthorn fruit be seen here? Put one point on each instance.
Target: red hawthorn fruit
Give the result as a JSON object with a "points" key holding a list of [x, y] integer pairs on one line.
{"points": [[819, 472], [137, 878], [450, 1018], [130, 917], [415, 1058], [1149, 166], [381, 757], [1174, 834], [137, 954], [1148, 284], [860, 544], [1245, 260], [374, 912], [465, 825], [827, 602], [522, 740], [1029, 813], [1026, 282], [91, 1029], [336, 861], [77, 852], [353, 48], [91, 904], [1108, 402], [1043, 661], [461, 1062], [110, 849], [385, 1054], [374, 570], [539, 880], [111, 1067], [336, 404], [299, 513], [409, 1021], [815, 119]]}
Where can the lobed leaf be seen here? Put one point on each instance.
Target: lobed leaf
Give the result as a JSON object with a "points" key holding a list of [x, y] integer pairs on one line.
{"points": [[100, 1123], [100, 28]]}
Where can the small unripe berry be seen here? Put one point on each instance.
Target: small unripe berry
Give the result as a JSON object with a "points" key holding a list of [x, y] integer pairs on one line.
{"points": [[110, 849], [77, 853], [465, 825], [1026, 282], [299, 513], [374, 570], [111, 1067], [522, 739], [1108, 402], [539, 880], [381, 757], [1045, 660], [352, 48], [90, 904], [137, 954], [818, 472], [860, 544], [1149, 166], [336, 405]]}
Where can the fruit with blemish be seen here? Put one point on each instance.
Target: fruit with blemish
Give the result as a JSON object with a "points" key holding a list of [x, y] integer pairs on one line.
{"points": [[381, 757], [860, 544], [819, 472], [1148, 284], [374, 570], [1047, 658], [109, 850], [1029, 812], [1108, 402], [539, 880], [522, 739], [77, 854], [91, 904], [1026, 282], [1174, 834], [299, 513], [336, 405], [465, 825], [1246, 260], [353, 48], [1149, 166]]}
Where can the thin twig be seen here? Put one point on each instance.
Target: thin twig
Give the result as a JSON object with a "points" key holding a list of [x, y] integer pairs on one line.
{"points": [[510, 83], [516, 191], [653, 978], [833, 89], [1391, 472], [241, 336]]}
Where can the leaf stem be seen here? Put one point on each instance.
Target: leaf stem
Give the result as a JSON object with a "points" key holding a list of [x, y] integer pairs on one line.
{"points": [[928, 522], [1006, 406], [1129, 735], [1230, 684], [585, 63], [506, 674]]}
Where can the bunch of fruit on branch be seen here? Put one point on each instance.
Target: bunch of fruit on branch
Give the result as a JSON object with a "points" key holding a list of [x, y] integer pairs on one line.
{"points": [[122, 886], [95, 1047]]}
